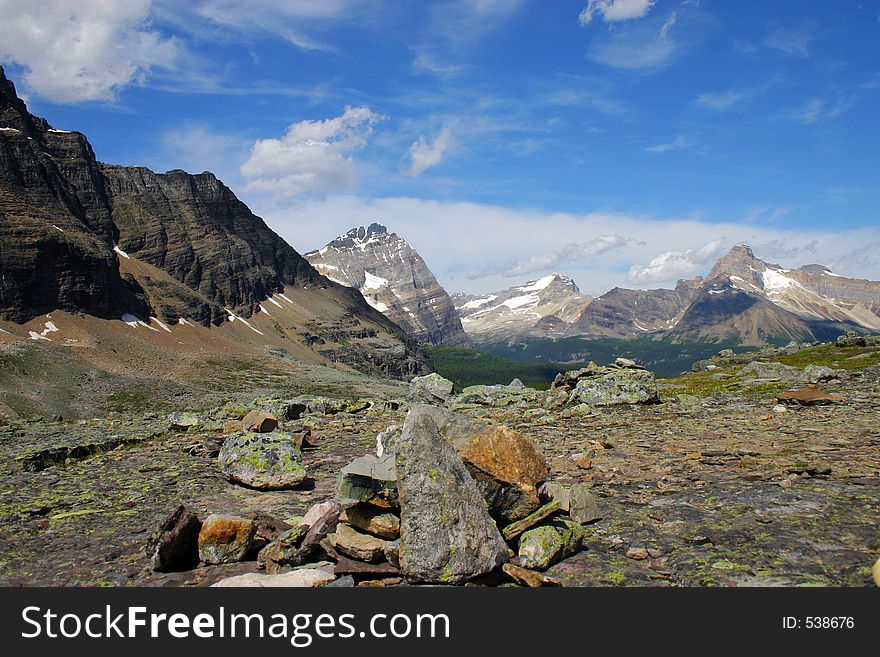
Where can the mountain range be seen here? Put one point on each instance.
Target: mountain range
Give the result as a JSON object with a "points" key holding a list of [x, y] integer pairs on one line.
{"points": [[163, 251]]}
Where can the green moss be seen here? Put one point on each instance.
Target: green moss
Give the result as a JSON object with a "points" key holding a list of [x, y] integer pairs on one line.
{"points": [[615, 577]]}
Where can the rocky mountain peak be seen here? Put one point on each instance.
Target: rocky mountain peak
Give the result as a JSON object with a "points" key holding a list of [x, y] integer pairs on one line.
{"points": [[394, 279], [14, 114]]}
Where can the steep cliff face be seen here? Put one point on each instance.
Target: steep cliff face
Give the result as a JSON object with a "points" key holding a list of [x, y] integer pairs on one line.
{"points": [[393, 279], [109, 241], [195, 229], [623, 313], [55, 227]]}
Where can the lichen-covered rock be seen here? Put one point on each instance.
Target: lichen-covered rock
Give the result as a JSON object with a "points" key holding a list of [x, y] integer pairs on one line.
{"points": [[817, 374], [369, 479], [498, 396], [446, 533], [268, 461], [621, 386], [385, 440], [283, 552], [541, 547], [182, 421], [430, 389], [773, 371], [225, 539], [175, 545]]}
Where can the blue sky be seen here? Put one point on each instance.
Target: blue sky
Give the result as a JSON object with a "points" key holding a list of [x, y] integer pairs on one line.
{"points": [[623, 142]]}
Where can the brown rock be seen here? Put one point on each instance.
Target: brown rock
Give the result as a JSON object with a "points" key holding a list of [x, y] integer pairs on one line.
{"points": [[356, 545], [528, 577], [225, 538], [316, 512], [372, 520], [259, 422], [637, 553], [346, 566], [319, 530], [175, 545], [808, 397]]}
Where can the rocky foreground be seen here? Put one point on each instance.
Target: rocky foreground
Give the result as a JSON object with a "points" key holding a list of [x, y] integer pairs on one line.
{"points": [[759, 469]]}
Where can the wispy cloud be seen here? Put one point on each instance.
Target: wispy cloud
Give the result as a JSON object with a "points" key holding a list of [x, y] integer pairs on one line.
{"points": [[424, 155], [571, 253], [722, 100], [648, 44], [792, 40], [680, 143]]}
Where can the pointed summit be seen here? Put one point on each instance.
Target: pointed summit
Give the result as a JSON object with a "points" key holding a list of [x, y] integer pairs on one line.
{"points": [[394, 280]]}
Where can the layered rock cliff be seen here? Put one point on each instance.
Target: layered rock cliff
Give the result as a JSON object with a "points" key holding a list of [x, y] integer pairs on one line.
{"points": [[81, 236], [394, 279]]}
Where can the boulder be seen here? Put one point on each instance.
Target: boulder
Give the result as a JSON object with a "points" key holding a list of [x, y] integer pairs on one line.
{"points": [[283, 552], [183, 421], [259, 422], [772, 371], [372, 520], [817, 374], [583, 507], [807, 397], [175, 545], [620, 386], [526, 577], [505, 465], [499, 396], [541, 547], [446, 533], [553, 492], [371, 479], [392, 553], [225, 538], [357, 545], [319, 530], [268, 461], [430, 389], [303, 578]]}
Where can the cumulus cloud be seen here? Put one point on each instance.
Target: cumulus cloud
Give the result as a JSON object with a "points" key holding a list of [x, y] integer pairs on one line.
{"points": [[313, 157], [614, 10], [676, 264], [680, 143], [84, 50], [571, 253], [424, 155]]}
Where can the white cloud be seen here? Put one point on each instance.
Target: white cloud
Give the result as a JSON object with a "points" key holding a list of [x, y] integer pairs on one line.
{"points": [[614, 10], [792, 40], [810, 112], [649, 44], [311, 158], [423, 155], [571, 253], [680, 143], [455, 238], [84, 50], [720, 101], [676, 264]]}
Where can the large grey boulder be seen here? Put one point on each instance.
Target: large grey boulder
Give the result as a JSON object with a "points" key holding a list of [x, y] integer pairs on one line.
{"points": [[268, 461], [618, 386], [430, 389], [446, 533], [498, 396], [506, 466], [774, 371]]}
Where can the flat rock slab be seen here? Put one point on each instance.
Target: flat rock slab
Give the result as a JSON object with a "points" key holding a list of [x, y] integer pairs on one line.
{"points": [[808, 397], [303, 578]]}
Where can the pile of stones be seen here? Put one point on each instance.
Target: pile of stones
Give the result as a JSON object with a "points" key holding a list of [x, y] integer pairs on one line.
{"points": [[445, 499]]}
